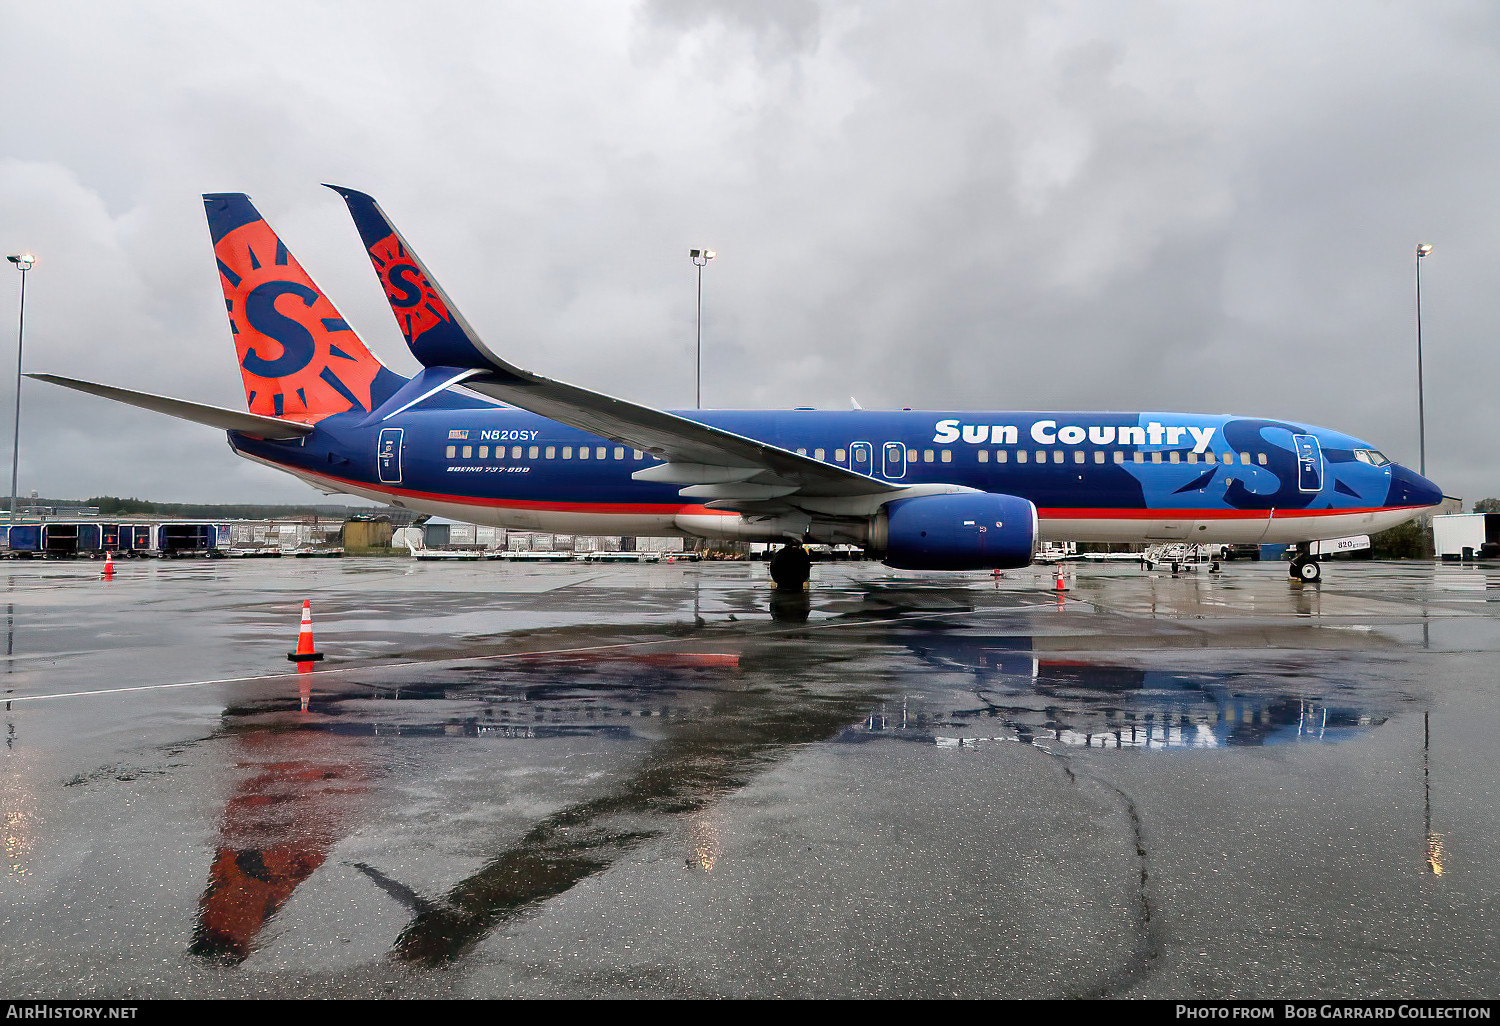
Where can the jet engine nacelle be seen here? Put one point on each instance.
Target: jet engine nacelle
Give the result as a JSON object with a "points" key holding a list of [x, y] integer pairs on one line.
{"points": [[965, 531]]}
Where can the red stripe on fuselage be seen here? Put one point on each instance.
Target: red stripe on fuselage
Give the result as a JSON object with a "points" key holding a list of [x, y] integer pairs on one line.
{"points": [[547, 507], [1087, 513]]}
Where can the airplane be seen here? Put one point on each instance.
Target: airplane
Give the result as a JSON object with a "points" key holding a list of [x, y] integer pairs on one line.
{"points": [[477, 438]]}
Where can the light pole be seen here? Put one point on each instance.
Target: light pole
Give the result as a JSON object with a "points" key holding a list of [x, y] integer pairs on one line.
{"points": [[1422, 250], [23, 262], [700, 258]]}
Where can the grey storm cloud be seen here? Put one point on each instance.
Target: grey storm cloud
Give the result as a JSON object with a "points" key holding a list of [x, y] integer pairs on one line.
{"points": [[950, 205]]}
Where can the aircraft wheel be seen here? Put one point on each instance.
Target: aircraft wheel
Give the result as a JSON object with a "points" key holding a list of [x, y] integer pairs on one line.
{"points": [[1307, 570], [790, 567]]}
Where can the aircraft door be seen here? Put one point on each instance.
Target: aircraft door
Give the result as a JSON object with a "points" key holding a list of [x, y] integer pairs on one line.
{"points": [[893, 460], [1309, 463], [388, 455], [861, 457]]}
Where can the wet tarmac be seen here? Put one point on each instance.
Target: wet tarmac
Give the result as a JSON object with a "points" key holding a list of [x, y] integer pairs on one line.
{"points": [[568, 781]]}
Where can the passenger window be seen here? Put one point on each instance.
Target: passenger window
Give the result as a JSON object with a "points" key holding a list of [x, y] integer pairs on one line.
{"points": [[801, 452], [1245, 458], [468, 452], [1000, 455], [583, 452], [1041, 456], [552, 452], [947, 456], [984, 455], [567, 452], [1156, 457], [911, 455], [1140, 457], [1192, 457], [927, 455], [1262, 458], [1020, 455], [1099, 456], [1174, 456], [451, 451], [515, 452], [484, 452], [639, 454], [1209, 457], [1078, 456], [818, 454], [1119, 456], [619, 452], [838, 455], [1058, 456], [599, 452], [533, 452]]}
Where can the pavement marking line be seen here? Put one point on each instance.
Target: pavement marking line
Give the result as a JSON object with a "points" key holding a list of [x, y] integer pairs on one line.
{"points": [[366, 667]]}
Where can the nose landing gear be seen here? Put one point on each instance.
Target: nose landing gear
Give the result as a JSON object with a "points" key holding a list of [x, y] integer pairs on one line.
{"points": [[1305, 566]]}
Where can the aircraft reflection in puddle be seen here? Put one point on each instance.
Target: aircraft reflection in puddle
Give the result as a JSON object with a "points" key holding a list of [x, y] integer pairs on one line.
{"points": [[1068, 700], [711, 721], [278, 826], [709, 733]]}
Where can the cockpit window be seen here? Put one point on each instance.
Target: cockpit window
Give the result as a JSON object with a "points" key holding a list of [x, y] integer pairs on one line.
{"points": [[1374, 457]]}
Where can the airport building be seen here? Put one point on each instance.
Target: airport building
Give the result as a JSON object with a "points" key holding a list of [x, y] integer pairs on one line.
{"points": [[80, 533]]}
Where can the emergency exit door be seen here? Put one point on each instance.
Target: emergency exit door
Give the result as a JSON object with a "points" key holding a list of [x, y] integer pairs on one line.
{"points": [[893, 460], [862, 457]]}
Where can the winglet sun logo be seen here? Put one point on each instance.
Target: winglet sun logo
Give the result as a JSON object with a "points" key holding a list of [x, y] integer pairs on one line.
{"points": [[412, 297], [299, 357]]}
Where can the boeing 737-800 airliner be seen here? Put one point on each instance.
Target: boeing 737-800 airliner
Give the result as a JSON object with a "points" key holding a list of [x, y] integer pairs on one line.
{"points": [[477, 438]]}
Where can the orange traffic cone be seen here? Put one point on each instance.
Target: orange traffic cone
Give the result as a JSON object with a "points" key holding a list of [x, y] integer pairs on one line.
{"points": [[305, 653], [1060, 585], [109, 566]]}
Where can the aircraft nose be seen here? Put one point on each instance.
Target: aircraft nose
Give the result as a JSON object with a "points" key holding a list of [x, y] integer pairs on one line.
{"points": [[1408, 488]]}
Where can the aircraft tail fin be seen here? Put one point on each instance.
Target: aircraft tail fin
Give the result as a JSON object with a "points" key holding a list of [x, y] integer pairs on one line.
{"points": [[299, 358], [436, 332]]}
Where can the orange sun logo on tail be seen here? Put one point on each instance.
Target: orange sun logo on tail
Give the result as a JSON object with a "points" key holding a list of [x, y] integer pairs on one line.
{"points": [[299, 357], [413, 299]]}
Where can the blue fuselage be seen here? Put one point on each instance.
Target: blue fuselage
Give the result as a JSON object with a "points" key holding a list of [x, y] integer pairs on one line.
{"points": [[1092, 476]]}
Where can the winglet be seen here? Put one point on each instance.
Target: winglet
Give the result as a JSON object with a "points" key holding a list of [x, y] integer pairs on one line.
{"points": [[436, 332]]}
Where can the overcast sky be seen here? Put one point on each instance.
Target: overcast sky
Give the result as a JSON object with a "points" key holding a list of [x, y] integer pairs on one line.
{"points": [[995, 205]]}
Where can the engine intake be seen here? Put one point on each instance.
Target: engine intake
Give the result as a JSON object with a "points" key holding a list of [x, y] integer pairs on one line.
{"points": [[965, 531]]}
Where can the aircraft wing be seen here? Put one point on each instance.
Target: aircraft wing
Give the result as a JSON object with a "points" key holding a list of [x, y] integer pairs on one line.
{"points": [[213, 416], [697, 454], [718, 466]]}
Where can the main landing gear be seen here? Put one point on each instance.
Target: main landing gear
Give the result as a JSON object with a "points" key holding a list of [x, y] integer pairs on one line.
{"points": [[790, 567], [1305, 566]]}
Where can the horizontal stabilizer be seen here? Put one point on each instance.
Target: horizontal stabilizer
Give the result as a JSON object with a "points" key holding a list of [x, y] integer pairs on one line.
{"points": [[213, 416]]}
